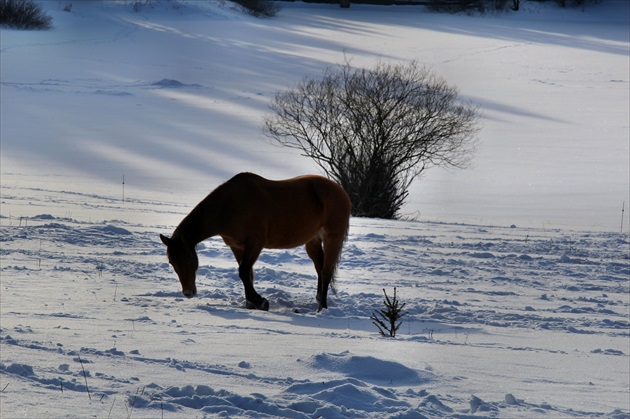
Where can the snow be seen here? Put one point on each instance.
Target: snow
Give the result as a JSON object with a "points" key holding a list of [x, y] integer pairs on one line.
{"points": [[515, 274]]}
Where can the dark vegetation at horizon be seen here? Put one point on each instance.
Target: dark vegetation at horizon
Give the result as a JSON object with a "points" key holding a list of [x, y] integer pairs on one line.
{"points": [[29, 14]]}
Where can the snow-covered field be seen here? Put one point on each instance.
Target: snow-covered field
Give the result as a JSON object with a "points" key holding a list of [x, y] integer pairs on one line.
{"points": [[515, 274], [541, 315]]}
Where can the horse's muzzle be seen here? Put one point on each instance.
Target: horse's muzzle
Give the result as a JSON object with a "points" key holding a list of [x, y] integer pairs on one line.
{"points": [[189, 293]]}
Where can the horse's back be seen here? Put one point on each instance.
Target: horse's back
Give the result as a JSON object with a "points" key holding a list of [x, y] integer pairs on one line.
{"points": [[297, 191], [300, 206]]}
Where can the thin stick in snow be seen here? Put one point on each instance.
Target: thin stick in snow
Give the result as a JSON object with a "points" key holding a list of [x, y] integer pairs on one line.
{"points": [[85, 377], [110, 409]]}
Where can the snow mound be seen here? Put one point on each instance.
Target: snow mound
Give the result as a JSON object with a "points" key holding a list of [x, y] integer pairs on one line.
{"points": [[168, 83], [369, 369], [349, 392], [113, 230], [172, 84]]}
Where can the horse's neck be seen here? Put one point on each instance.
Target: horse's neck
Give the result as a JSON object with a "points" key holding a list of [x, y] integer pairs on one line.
{"points": [[199, 224]]}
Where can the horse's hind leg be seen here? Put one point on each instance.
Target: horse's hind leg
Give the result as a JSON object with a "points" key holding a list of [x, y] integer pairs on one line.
{"points": [[246, 259], [316, 253], [332, 250]]}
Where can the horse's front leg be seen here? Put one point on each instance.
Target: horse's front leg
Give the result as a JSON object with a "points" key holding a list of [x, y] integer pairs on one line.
{"points": [[253, 300], [246, 259]]}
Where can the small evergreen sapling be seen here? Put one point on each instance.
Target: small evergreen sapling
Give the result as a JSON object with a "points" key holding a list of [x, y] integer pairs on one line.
{"points": [[386, 320]]}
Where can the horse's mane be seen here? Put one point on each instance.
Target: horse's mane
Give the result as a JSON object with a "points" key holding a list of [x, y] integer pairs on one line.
{"points": [[188, 228]]}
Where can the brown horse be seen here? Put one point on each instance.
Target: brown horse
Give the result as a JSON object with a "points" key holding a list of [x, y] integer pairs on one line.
{"points": [[251, 213]]}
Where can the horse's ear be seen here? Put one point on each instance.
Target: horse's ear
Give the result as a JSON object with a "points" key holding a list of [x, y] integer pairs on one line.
{"points": [[165, 240]]}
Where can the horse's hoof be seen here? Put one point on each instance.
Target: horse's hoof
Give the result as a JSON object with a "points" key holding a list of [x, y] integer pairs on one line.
{"points": [[262, 305]]}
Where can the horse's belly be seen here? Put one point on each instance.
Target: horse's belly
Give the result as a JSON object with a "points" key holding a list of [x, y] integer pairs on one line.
{"points": [[288, 239]]}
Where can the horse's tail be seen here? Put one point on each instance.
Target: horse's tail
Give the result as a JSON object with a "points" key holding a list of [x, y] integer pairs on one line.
{"points": [[338, 208], [333, 278]]}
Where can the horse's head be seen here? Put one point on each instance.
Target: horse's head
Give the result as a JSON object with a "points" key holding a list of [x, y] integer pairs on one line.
{"points": [[183, 258]]}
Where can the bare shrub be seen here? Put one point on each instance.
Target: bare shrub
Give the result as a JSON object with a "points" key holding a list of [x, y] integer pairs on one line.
{"points": [[481, 6], [375, 130], [259, 8], [23, 14]]}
